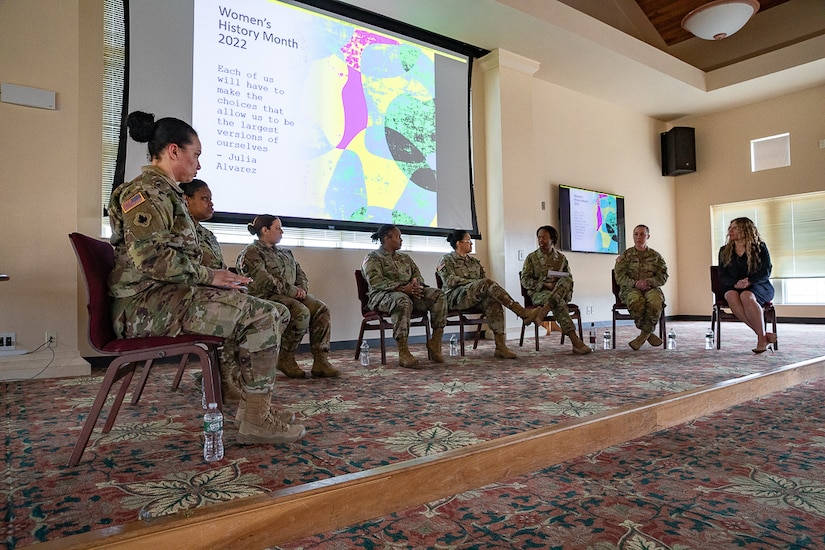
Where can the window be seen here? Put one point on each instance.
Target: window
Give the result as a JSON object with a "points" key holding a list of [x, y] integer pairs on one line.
{"points": [[770, 152], [794, 228], [114, 65]]}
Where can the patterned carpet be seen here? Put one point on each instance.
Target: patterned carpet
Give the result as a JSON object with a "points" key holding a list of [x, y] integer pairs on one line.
{"points": [[151, 463]]}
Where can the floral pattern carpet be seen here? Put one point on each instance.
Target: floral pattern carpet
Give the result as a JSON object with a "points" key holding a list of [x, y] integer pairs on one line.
{"points": [[630, 496]]}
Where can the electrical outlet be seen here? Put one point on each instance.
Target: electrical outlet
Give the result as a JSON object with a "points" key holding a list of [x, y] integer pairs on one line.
{"points": [[51, 338], [521, 255], [8, 341]]}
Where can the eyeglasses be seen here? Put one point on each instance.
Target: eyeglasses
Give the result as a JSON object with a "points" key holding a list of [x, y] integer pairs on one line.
{"points": [[467, 242]]}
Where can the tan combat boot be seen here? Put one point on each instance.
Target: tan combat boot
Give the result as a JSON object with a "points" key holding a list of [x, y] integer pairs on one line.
{"points": [[637, 342], [434, 346], [405, 358], [287, 417], [539, 313], [527, 315], [259, 426], [502, 350], [654, 340], [579, 347], [230, 391], [321, 367], [288, 366]]}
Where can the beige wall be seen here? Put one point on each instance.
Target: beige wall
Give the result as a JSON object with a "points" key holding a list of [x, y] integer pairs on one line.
{"points": [[723, 175], [530, 135]]}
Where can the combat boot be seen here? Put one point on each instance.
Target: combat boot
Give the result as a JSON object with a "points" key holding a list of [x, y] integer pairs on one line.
{"points": [[637, 342], [434, 346], [579, 347], [259, 426], [287, 417], [321, 367], [405, 358], [527, 315], [539, 313], [288, 366], [654, 340], [502, 350], [230, 391]]}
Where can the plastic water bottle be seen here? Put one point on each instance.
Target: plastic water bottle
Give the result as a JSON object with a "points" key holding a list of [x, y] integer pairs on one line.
{"points": [[453, 346], [212, 434], [364, 354], [709, 339], [671, 339], [593, 336], [607, 340]]}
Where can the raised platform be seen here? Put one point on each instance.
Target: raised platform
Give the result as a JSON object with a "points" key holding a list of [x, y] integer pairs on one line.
{"points": [[636, 389]]}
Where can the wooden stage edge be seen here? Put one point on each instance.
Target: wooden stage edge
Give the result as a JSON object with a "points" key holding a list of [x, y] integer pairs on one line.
{"points": [[290, 514]]}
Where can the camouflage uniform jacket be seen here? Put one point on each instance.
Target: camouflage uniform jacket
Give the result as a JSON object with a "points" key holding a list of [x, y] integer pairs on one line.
{"points": [[210, 247], [457, 271], [634, 265], [385, 271], [535, 268], [154, 237], [274, 271]]}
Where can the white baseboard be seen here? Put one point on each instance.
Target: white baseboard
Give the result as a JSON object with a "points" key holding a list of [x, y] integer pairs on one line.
{"points": [[42, 364]]}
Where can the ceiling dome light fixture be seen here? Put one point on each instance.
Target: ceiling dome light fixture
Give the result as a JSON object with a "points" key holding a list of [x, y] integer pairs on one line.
{"points": [[719, 19]]}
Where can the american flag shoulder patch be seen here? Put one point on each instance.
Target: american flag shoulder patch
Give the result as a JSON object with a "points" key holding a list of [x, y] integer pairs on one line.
{"points": [[133, 201]]}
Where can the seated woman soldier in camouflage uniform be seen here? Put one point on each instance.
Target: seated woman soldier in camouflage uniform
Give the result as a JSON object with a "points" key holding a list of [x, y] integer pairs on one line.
{"points": [[278, 277], [396, 287], [198, 198], [466, 285], [640, 273], [547, 278], [160, 288]]}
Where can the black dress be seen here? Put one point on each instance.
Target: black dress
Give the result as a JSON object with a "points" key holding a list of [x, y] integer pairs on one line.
{"points": [[760, 284]]}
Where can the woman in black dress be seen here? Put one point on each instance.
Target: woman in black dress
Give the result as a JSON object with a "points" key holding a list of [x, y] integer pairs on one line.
{"points": [[744, 271]]}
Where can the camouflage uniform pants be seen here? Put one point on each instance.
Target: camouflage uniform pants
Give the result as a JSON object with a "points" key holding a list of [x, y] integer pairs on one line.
{"points": [[557, 299], [400, 307], [251, 327], [307, 314], [645, 307], [488, 296]]}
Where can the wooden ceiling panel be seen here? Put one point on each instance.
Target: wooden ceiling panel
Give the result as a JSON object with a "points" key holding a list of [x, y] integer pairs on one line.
{"points": [[666, 16]]}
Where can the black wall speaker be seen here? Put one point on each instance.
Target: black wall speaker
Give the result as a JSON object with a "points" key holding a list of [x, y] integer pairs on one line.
{"points": [[678, 151]]}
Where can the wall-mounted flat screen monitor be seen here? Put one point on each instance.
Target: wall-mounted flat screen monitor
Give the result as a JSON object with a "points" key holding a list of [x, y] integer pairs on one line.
{"points": [[591, 221]]}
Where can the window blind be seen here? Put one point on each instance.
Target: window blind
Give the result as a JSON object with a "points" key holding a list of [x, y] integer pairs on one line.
{"points": [[792, 226]]}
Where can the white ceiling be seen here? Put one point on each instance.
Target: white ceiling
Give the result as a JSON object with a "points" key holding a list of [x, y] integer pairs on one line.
{"points": [[582, 53]]}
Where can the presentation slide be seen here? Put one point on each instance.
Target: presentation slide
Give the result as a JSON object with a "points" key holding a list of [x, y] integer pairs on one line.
{"points": [[306, 115], [591, 221]]}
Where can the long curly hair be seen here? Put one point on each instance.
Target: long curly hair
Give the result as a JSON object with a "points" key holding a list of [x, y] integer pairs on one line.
{"points": [[752, 239]]}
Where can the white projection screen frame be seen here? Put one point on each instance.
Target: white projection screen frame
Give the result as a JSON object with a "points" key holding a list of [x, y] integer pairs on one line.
{"points": [[322, 119]]}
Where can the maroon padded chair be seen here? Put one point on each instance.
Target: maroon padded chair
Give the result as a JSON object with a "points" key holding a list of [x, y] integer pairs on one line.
{"points": [[620, 312], [721, 309], [376, 320], [96, 259], [461, 318], [575, 313]]}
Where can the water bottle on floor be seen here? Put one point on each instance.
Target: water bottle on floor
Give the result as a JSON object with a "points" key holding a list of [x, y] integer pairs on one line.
{"points": [[453, 346], [709, 339], [364, 354], [592, 336], [212, 434], [671, 339], [607, 340]]}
